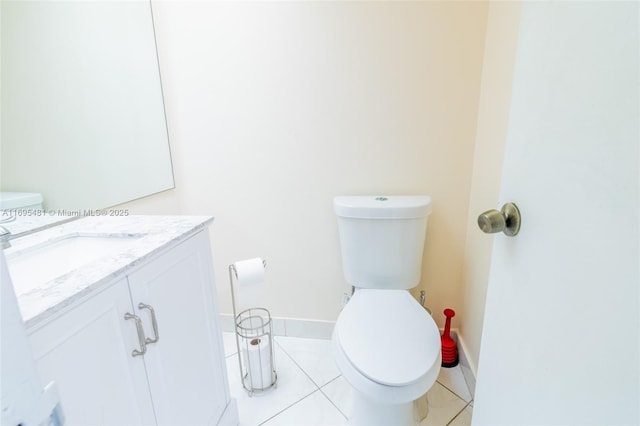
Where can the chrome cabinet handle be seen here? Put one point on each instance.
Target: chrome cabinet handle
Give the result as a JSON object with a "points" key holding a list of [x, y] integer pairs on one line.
{"points": [[141, 338], [154, 323]]}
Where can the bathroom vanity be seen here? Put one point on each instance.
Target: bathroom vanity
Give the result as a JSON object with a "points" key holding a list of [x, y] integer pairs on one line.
{"points": [[129, 332]]}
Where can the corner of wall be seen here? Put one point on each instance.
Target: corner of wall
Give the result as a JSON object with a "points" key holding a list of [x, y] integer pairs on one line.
{"points": [[493, 113]]}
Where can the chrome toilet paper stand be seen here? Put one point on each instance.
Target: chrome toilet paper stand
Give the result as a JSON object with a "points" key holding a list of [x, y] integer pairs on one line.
{"points": [[254, 342]]}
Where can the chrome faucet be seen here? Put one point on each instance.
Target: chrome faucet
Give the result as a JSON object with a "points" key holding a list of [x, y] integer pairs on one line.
{"points": [[5, 235]]}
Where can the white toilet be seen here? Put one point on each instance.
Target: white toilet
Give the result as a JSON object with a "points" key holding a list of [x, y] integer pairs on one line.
{"points": [[385, 344], [20, 201]]}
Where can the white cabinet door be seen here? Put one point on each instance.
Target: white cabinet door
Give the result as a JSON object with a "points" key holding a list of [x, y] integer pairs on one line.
{"points": [[88, 352], [187, 375]]}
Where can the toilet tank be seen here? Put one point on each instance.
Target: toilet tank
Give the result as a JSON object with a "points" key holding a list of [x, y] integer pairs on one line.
{"points": [[382, 239], [20, 201]]}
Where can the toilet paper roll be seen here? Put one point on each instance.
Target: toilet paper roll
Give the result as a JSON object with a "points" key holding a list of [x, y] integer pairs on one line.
{"points": [[256, 354], [248, 286], [250, 272]]}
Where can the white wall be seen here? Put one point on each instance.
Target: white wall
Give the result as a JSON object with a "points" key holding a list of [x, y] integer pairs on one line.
{"points": [[275, 107]]}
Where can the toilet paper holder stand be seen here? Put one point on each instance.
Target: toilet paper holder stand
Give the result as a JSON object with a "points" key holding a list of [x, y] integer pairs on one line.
{"points": [[254, 342]]}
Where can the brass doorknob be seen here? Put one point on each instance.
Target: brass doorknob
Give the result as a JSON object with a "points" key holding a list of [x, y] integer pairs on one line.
{"points": [[506, 220]]}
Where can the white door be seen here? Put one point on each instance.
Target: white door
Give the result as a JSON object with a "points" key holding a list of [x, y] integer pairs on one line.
{"points": [[185, 367], [561, 333]]}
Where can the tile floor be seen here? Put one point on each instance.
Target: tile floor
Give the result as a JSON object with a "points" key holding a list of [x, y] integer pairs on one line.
{"points": [[311, 391]]}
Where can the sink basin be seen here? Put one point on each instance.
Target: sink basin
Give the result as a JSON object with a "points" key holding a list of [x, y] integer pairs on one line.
{"points": [[33, 266]]}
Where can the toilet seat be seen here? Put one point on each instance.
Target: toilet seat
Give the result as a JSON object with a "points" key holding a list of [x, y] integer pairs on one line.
{"points": [[388, 337]]}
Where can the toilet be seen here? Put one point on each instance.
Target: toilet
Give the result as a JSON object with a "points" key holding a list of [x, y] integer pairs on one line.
{"points": [[28, 201], [385, 344]]}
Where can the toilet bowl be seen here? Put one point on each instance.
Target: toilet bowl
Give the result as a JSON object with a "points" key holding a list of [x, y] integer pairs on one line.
{"points": [[387, 347], [385, 344]]}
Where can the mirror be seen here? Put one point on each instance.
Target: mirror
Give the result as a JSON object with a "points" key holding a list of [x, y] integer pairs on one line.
{"points": [[83, 120]]}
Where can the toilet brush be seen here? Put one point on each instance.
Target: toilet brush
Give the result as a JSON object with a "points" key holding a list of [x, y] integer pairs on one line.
{"points": [[449, 347]]}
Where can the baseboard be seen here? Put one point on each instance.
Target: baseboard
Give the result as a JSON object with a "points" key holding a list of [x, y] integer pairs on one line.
{"points": [[465, 364]]}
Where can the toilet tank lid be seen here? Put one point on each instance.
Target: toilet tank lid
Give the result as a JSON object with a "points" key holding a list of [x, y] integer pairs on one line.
{"points": [[15, 200], [382, 206]]}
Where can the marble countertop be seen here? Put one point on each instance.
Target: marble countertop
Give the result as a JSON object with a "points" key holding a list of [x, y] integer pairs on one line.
{"points": [[152, 235]]}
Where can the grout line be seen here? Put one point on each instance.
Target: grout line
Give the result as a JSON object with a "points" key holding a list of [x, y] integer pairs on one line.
{"points": [[286, 408], [459, 412], [303, 372], [319, 388], [298, 365], [330, 400], [453, 392]]}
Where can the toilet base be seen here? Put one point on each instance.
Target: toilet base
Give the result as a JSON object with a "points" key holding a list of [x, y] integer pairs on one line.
{"points": [[367, 412]]}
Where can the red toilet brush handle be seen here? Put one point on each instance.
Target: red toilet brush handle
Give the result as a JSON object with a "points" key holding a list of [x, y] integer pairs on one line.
{"points": [[449, 313]]}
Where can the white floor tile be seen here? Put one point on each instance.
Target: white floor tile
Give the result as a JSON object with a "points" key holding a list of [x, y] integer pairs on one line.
{"points": [[339, 392], [313, 356], [315, 409], [227, 324], [297, 400], [444, 405], [292, 386], [453, 379], [229, 342], [464, 418]]}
